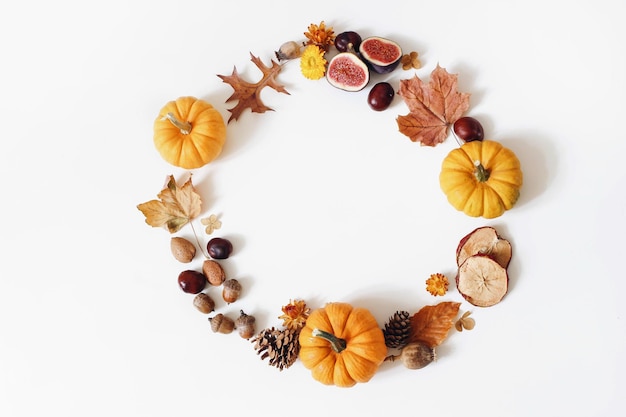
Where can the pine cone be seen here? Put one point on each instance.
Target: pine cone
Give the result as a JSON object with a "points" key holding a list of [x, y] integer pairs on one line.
{"points": [[280, 346], [397, 330]]}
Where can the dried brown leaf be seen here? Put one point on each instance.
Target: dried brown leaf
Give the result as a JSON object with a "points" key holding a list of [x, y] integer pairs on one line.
{"points": [[433, 107], [249, 94], [176, 206], [431, 324]]}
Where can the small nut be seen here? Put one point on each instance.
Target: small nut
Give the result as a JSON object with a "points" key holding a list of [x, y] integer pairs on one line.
{"points": [[231, 290], [245, 325], [183, 250], [214, 272], [221, 324], [204, 303]]}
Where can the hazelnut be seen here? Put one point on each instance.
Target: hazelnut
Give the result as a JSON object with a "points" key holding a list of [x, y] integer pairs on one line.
{"points": [[221, 324], [183, 250], [204, 303], [231, 290], [214, 272]]}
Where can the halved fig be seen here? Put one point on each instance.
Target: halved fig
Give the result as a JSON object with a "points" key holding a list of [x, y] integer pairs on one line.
{"points": [[482, 281], [347, 72], [382, 55], [484, 241]]}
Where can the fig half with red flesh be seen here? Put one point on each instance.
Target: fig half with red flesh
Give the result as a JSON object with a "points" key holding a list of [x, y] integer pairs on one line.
{"points": [[381, 54], [348, 72], [484, 241], [482, 281]]}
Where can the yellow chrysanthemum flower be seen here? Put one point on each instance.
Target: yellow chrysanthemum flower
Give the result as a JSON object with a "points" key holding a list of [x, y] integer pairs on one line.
{"points": [[313, 63]]}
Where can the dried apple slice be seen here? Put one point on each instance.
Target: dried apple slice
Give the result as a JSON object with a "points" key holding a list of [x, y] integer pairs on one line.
{"points": [[484, 241], [482, 281]]}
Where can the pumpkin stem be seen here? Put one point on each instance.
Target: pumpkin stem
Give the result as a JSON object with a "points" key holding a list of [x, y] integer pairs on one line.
{"points": [[480, 173], [185, 127], [336, 343]]}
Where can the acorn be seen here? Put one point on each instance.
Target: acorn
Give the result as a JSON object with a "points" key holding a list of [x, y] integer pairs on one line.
{"points": [[415, 355], [221, 324], [245, 325], [203, 303], [231, 290]]}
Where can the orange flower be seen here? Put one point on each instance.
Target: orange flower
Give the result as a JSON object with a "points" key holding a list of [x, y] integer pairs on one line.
{"points": [[320, 36], [295, 314], [437, 284]]}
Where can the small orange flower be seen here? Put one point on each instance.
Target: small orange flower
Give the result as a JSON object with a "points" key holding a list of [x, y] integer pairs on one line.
{"points": [[437, 284], [320, 36], [295, 314]]}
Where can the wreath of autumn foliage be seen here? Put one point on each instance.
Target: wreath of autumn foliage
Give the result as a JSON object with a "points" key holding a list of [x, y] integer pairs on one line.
{"points": [[339, 343]]}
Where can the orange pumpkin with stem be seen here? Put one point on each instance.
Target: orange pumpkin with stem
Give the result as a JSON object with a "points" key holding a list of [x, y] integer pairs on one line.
{"points": [[481, 178], [189, 132], [342, 345]]}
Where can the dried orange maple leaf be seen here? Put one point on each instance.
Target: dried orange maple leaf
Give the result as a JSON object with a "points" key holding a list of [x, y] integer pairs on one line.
{"points": [[433, 107], [431, 324], [176, 206], [249, 94]]}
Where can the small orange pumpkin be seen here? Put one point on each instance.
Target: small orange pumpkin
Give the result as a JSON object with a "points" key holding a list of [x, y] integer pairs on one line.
{"points": [[189, 132], [342, 345], [481, 178]]}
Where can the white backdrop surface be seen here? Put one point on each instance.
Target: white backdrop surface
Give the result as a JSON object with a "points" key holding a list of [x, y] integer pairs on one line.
{"points": [[322, 198]]}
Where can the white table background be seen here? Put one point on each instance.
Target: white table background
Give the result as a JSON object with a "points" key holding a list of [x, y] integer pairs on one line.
{"points": [[323, 199]]}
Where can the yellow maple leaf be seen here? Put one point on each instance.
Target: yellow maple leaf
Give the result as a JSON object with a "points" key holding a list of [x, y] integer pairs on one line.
{"points": [[176, 206]]}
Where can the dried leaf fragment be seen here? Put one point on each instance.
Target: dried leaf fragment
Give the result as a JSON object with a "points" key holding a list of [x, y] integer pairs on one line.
{"points": [[465, 322], [249, 94], [431, 324], [176, 206], [433, 107]]}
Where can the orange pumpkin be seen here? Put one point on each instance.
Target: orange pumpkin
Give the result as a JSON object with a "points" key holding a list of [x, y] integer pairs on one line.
{"points": [[189, 132], [342, 345], [481, 178]]}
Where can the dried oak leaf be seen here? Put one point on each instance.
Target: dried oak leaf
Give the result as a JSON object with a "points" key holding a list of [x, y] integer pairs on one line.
{"points": [[431, 324], [176, 206], [249, 94], [433, 107]]}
